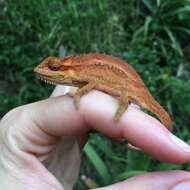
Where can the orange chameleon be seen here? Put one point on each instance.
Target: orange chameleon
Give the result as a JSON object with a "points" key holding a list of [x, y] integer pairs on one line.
{"points": [[105, 73]]}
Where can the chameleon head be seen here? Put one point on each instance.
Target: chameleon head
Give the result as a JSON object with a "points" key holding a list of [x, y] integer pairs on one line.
{"points": [[55, 70]]}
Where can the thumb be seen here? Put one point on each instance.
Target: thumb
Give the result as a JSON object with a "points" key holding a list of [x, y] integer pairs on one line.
{"points": [[170, 180]]}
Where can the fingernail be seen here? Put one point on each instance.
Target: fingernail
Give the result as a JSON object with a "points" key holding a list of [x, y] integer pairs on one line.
{"points": [[185, 185], [180, 143]]}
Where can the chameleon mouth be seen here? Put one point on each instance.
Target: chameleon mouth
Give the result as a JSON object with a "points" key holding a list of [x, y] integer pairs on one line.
{"points": [[47, 80], [54, 79], [46, 76]]}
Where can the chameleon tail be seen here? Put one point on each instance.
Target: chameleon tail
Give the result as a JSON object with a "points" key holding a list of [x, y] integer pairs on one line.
{"points": [[159, 111]]}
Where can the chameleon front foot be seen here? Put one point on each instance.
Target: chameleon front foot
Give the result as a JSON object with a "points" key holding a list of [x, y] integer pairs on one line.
{"points": [[75, 97], [82, 91]]}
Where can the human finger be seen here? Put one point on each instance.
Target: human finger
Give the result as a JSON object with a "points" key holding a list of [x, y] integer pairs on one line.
{"points": [[139, 128], [58, 116], [170, 180]]}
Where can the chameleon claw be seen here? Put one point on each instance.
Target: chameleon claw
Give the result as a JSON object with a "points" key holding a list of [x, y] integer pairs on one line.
{"points": [[71, 94], [117, 117], [132, 147], [76, 101]]}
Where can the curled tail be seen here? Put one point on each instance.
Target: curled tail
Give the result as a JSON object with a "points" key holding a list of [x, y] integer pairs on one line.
{"points": [[158, 110]]}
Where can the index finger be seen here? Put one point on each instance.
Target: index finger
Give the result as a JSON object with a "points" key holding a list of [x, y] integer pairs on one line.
{"points": [[137, 127], [58, 116]]}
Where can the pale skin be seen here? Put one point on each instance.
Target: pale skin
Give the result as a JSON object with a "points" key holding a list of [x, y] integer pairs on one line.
{"points": [[29, 133]]}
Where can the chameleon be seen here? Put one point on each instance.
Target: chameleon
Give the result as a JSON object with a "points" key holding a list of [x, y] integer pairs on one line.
{"points": [[102, 72]]}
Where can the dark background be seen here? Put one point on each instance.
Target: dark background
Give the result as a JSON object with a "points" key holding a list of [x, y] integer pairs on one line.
{"points": [[152, 35]]}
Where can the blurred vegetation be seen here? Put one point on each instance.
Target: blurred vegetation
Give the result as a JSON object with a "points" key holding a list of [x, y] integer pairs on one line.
{"points": [[152, 35]]}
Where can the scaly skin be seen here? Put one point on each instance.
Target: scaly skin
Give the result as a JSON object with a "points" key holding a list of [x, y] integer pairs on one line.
{"points": [[105, 73]]}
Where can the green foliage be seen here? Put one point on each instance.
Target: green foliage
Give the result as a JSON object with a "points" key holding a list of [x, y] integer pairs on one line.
{"points": [[98, 163], [152, 35]]}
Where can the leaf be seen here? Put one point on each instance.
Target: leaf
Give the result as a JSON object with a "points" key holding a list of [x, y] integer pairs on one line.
{"points": [[148, 5], [162, 45], [182, 10], [146, 25], [185, 9], [183, 29], [158, 2], [127, 174], [167, 166], [137, 161], [137, 33], [98, 163], [103, 146], [175, 44]]}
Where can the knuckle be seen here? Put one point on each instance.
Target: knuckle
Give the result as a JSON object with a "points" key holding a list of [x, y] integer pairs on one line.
{"points": [[12, 127], [12, 115]]}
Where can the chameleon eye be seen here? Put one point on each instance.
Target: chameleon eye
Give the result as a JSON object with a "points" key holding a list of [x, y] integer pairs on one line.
{"points": [[53, 66]]}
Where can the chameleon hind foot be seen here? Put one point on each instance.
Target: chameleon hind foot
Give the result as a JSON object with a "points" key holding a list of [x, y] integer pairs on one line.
{"points": [[123, 105]]}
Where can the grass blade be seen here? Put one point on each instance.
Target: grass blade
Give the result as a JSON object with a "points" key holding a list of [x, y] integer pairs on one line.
{"points": [[182, 10], [127, 174], [98, 163], [137, 161], [146, 25], [149, 5], [137, 33], [158, 2], [175, 44]]}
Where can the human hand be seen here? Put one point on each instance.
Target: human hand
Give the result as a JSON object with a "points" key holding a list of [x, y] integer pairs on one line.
{"points": [[51, 133]]}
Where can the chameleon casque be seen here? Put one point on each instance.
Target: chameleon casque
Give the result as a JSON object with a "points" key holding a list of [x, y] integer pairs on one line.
{"points": [[105, 73]]}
